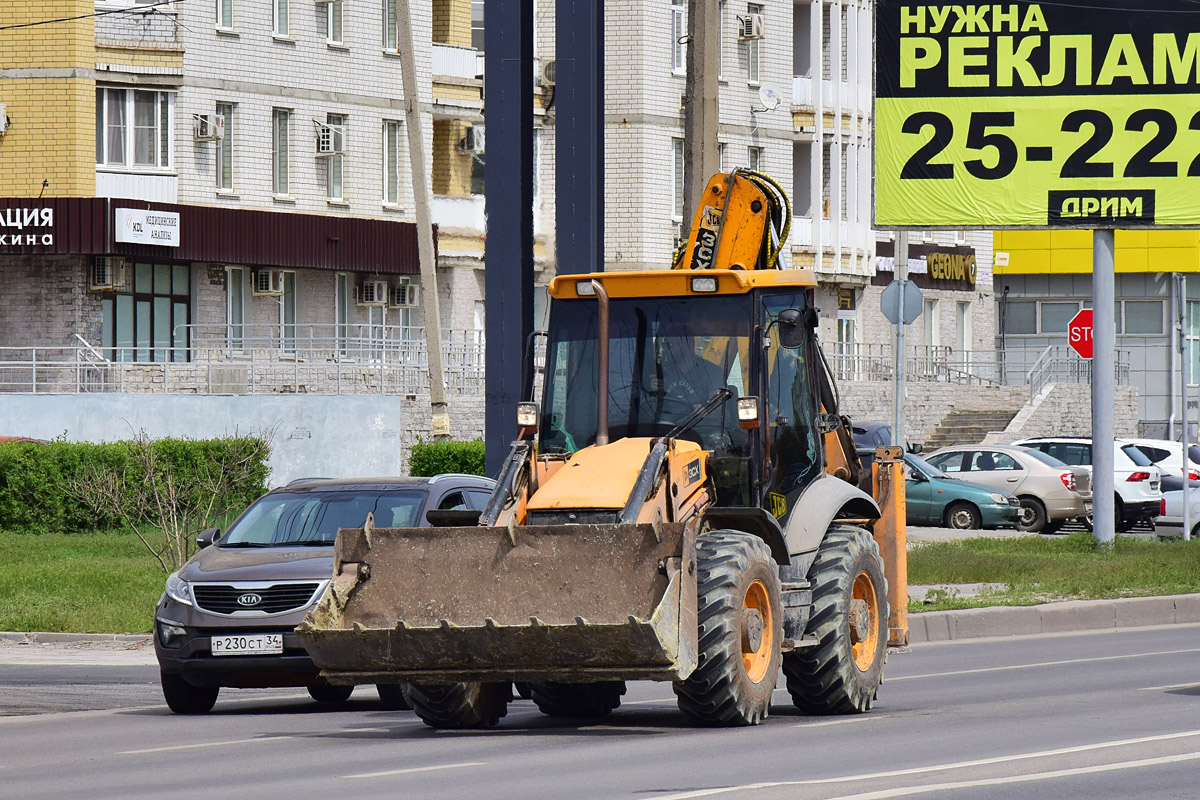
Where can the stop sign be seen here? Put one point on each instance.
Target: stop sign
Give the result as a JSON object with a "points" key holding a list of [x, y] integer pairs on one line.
{"points": [[1079, 333]]}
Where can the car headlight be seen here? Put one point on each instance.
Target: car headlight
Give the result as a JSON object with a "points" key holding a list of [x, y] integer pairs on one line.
{"points": [[999, 498], [178, 589]]}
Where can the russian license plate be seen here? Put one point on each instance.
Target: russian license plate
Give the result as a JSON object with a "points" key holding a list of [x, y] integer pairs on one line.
{"points": [[259, 644]]}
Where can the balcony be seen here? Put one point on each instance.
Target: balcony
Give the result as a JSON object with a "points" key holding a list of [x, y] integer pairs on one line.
{"points": [[855, 99], [461, 63]]}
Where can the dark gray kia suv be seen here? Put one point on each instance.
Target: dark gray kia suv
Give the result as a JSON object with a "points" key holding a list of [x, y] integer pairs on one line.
{"points": [[226, 617]]}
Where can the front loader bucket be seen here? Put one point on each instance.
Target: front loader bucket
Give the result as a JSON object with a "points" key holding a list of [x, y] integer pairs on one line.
{"points": [[568, 603]]}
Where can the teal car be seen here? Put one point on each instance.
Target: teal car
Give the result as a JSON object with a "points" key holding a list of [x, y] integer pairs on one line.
{"points": [[934, 498]]}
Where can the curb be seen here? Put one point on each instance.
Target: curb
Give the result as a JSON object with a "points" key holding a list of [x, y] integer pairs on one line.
{"points": [[923, 627], [73, 638], [1074, 615]]}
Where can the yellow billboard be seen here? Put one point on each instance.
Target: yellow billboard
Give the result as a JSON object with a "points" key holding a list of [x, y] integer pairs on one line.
{"points": [[1018, 115]]}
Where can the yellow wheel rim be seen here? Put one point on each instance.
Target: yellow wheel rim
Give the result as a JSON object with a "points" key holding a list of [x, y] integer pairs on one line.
{"points": [[757, 650], [865, 624]]}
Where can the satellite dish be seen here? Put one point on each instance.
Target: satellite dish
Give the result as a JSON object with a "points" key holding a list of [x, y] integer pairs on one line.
{"points": [[769, 97]]}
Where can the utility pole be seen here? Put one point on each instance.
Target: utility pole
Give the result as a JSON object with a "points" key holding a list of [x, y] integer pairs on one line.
{"points": [[700, 107], [1104, 348], [1185, 433], [422, 195]]}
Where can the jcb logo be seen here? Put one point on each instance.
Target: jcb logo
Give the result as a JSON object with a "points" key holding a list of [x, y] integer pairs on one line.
{"points": [[1074, 208], [778, 505]]}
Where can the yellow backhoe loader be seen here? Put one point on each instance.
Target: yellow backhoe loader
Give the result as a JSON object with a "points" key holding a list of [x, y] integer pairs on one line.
{"points": [[682, 505]]}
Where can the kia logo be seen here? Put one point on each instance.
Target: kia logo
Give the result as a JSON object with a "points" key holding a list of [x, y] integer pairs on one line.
{"points": [[249, 600]]}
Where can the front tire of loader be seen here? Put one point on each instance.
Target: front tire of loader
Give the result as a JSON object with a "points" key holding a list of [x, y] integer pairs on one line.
{"points": [[741, 630], [842, 673], [580, 700], [460, 705]]}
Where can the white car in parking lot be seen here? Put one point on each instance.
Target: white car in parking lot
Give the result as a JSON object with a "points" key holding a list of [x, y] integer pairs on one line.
{"points": [[1168, 456], [1137, 481]]}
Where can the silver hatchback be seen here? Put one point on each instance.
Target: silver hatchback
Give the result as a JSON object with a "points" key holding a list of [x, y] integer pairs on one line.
{"points": [[1051, 492]]}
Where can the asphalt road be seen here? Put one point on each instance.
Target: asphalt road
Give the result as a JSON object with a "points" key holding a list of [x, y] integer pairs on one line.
{"points": [[1066, 716]]}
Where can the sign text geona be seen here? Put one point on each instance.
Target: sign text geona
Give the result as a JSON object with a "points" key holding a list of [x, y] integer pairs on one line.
{"points": [[1037, 114]]}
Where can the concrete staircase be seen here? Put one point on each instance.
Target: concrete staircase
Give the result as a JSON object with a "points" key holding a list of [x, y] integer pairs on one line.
{"points": [[967, 427]]}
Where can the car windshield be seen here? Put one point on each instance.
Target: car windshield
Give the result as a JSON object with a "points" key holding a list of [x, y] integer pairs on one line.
{"points": [[924, 466], [1045, 458], [1137, 456], [313, 518]]}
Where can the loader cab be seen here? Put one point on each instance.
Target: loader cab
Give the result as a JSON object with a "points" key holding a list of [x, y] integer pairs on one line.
{"points": [[668, 355]]}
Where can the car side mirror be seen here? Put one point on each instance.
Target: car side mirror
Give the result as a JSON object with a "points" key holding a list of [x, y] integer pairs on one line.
{"points": [[792, 329], [916, 449], [207, 537]]}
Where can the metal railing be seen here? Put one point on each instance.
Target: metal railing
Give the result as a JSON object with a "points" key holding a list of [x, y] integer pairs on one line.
{"points": [[1057, 364], [267, 360], [929, 364]]}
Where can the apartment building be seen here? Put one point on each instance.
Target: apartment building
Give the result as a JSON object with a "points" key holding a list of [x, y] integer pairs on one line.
{"points": [[816, 57], [232, 176]]}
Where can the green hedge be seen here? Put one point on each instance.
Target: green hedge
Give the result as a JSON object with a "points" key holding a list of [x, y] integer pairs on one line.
{"points": [[432, 458], [39, 482]]}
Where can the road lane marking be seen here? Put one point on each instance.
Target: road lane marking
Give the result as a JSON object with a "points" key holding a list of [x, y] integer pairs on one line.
{"points": [[1040, 664], [1036, 776], [1172, 686], [824, 723], [223, 743], [933, 768], [410, 770]]}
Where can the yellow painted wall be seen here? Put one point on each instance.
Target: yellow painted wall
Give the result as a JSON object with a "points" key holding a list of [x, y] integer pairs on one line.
{"points": [[452, 22], [53, 114], [1050, 252], [451, 166]]}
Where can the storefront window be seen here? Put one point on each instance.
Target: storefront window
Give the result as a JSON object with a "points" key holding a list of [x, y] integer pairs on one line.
{"points": [[1020, 317], [1056, 316], [149, 323], [1143, 317]]}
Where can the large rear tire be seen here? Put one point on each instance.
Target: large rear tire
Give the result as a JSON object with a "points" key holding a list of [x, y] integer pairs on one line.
{"points": [[842, 673], [184, 698], [741, 630], [577, 699], [460, 705]]}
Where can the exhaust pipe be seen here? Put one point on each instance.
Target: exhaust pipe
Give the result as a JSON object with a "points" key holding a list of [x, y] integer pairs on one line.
{"points": [[602, 368]]}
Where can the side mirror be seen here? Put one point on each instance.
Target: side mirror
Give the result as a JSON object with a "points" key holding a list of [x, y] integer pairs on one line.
{"points": [[916, 449], [207, 537], [791, 330]]}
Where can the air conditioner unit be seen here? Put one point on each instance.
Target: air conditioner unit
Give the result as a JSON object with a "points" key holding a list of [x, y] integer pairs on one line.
{"points": [[549, 69], [373, 293], [268, 283], [475, 140], [750, 27], [331, 139], [404, 295], [109, 273], [208, 127]]}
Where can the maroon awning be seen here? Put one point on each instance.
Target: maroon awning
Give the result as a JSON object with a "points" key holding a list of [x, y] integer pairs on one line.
{"points": [[83, 226]]}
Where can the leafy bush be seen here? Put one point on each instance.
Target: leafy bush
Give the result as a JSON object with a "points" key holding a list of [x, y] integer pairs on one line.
{"points": [[44, 488], [432, 458]]}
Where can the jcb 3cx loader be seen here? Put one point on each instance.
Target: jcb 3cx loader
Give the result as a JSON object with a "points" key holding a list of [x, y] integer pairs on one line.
{"points": [[683, 506]]}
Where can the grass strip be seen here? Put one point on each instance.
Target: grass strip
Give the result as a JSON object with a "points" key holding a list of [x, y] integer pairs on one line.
{"points": [[77, 583], [1047, 569]]}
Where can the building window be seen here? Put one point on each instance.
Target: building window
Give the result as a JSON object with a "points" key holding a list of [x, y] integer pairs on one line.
{"points": [[225, 150], [333, 22], [1142, 318], [389, 25], [679, 31], [752, 49], [1020, 317], [147, 142], [677, 150], [280, 121], [1055, 317], [287, 313], [341, 311], [754, 158], [334, 163], [282, 23], [225, 14], [962, 334], [235, 306], [932, 328], [391, 162], [477, 39], [149, 323], [721, 40], [537, 164]]}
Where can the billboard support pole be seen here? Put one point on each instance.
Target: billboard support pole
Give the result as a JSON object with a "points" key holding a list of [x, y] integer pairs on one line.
{"points": [[1104, 342], [1181, 296], [901, 273]]}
